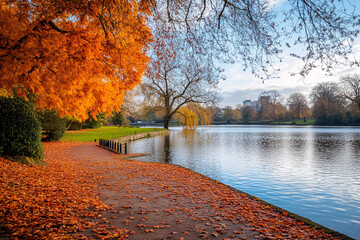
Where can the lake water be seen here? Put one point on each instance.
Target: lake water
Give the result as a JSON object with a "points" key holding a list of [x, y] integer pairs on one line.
{"points": [[311, 171]]}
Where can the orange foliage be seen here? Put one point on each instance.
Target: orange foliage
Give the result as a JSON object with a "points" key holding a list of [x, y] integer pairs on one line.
{"points": [[77, 56], [59, 201], [49, 202]]}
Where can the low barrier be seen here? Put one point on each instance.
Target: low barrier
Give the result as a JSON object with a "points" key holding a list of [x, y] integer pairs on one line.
{"points": [[120, 145], [114, 146]]}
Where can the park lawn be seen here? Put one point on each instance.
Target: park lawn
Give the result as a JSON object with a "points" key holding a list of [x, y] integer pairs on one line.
{"points": [[297, 122], [89, 135]]}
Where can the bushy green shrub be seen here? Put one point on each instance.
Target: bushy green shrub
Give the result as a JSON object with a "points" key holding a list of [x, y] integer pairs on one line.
{"points": [[52, 124], [20, 131], [117, 118], [92, 123]]}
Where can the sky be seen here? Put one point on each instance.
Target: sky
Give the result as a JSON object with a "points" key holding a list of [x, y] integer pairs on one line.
{"points": [[240, 85]]}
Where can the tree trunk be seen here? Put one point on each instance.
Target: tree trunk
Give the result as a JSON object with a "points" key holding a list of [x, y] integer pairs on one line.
{"points": [[166, 122]]}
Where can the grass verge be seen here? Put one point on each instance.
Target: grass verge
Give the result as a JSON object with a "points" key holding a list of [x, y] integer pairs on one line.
{"points": [[297, 122], [89, 135]]}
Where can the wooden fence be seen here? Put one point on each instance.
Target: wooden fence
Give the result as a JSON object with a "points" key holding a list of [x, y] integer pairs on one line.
{"points": [[114, 146]]}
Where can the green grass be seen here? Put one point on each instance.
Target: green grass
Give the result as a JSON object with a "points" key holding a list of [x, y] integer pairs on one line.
{"points": [[297, 122], [89, 135]]}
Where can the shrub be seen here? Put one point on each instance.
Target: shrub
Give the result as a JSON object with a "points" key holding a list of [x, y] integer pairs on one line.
{"points": [[20, 131], [52, 124], [117, 118], [92, 123]]}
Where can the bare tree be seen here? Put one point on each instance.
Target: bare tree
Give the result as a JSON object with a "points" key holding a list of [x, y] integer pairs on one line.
{"points": [[248, 30], [328, 103], [177, 77], [329, 91], [297, 103], [351, 88]]}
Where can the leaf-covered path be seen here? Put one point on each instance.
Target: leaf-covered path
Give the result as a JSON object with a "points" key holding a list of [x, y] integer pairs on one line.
{"points": [[137, 200]]}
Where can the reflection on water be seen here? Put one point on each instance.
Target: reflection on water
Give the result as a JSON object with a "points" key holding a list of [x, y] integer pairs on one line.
{"points": [[312, 171]]}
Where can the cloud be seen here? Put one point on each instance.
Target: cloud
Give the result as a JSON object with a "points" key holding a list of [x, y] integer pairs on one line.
{"points": [[242, 85], [275, 3], [238, 96]]}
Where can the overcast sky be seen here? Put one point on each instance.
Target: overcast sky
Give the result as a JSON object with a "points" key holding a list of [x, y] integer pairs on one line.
{"points": [[240, 85]]}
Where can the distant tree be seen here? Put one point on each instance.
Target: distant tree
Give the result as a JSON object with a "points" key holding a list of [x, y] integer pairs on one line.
{"points": [[215, 112], [353, 114], [328, 102], [228, 114], [272, 98], [280, 111], [176, 77], [186, 117], [192, 115], [117, 118], [237, 113], [134, 104], [148, 114], [297, 104], [247, 112], [92, 122], [351, 88], [329, 91]]}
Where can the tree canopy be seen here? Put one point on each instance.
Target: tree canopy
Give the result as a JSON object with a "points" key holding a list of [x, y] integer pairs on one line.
{"points": [[77, 56], [256, 33], [81, 56]]}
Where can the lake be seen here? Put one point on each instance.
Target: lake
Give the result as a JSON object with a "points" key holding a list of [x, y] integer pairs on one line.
{"points": [[311, 171]]}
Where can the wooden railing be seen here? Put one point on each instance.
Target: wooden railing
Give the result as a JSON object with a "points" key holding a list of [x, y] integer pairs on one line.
{"points": [[114, 146]]}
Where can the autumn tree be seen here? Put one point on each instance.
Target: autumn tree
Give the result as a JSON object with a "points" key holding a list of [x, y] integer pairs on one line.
{"points": [[228, 114], [177, 75], [270, 98], [186, 117], [297, 104], [78, 57], [247, 113], [328, 103], [237, 113], [215, 112]]}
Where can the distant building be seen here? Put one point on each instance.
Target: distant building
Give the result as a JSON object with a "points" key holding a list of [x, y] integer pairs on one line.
{"points": [[256, 105], [253, 104], [247, 103]]}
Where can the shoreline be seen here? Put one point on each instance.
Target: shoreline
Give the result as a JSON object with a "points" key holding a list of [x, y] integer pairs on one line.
{"points": [[126, 199], [297, 217], [277, 208]]}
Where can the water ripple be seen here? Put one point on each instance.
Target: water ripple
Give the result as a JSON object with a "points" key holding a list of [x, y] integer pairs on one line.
{"points": [[311, 171]]}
